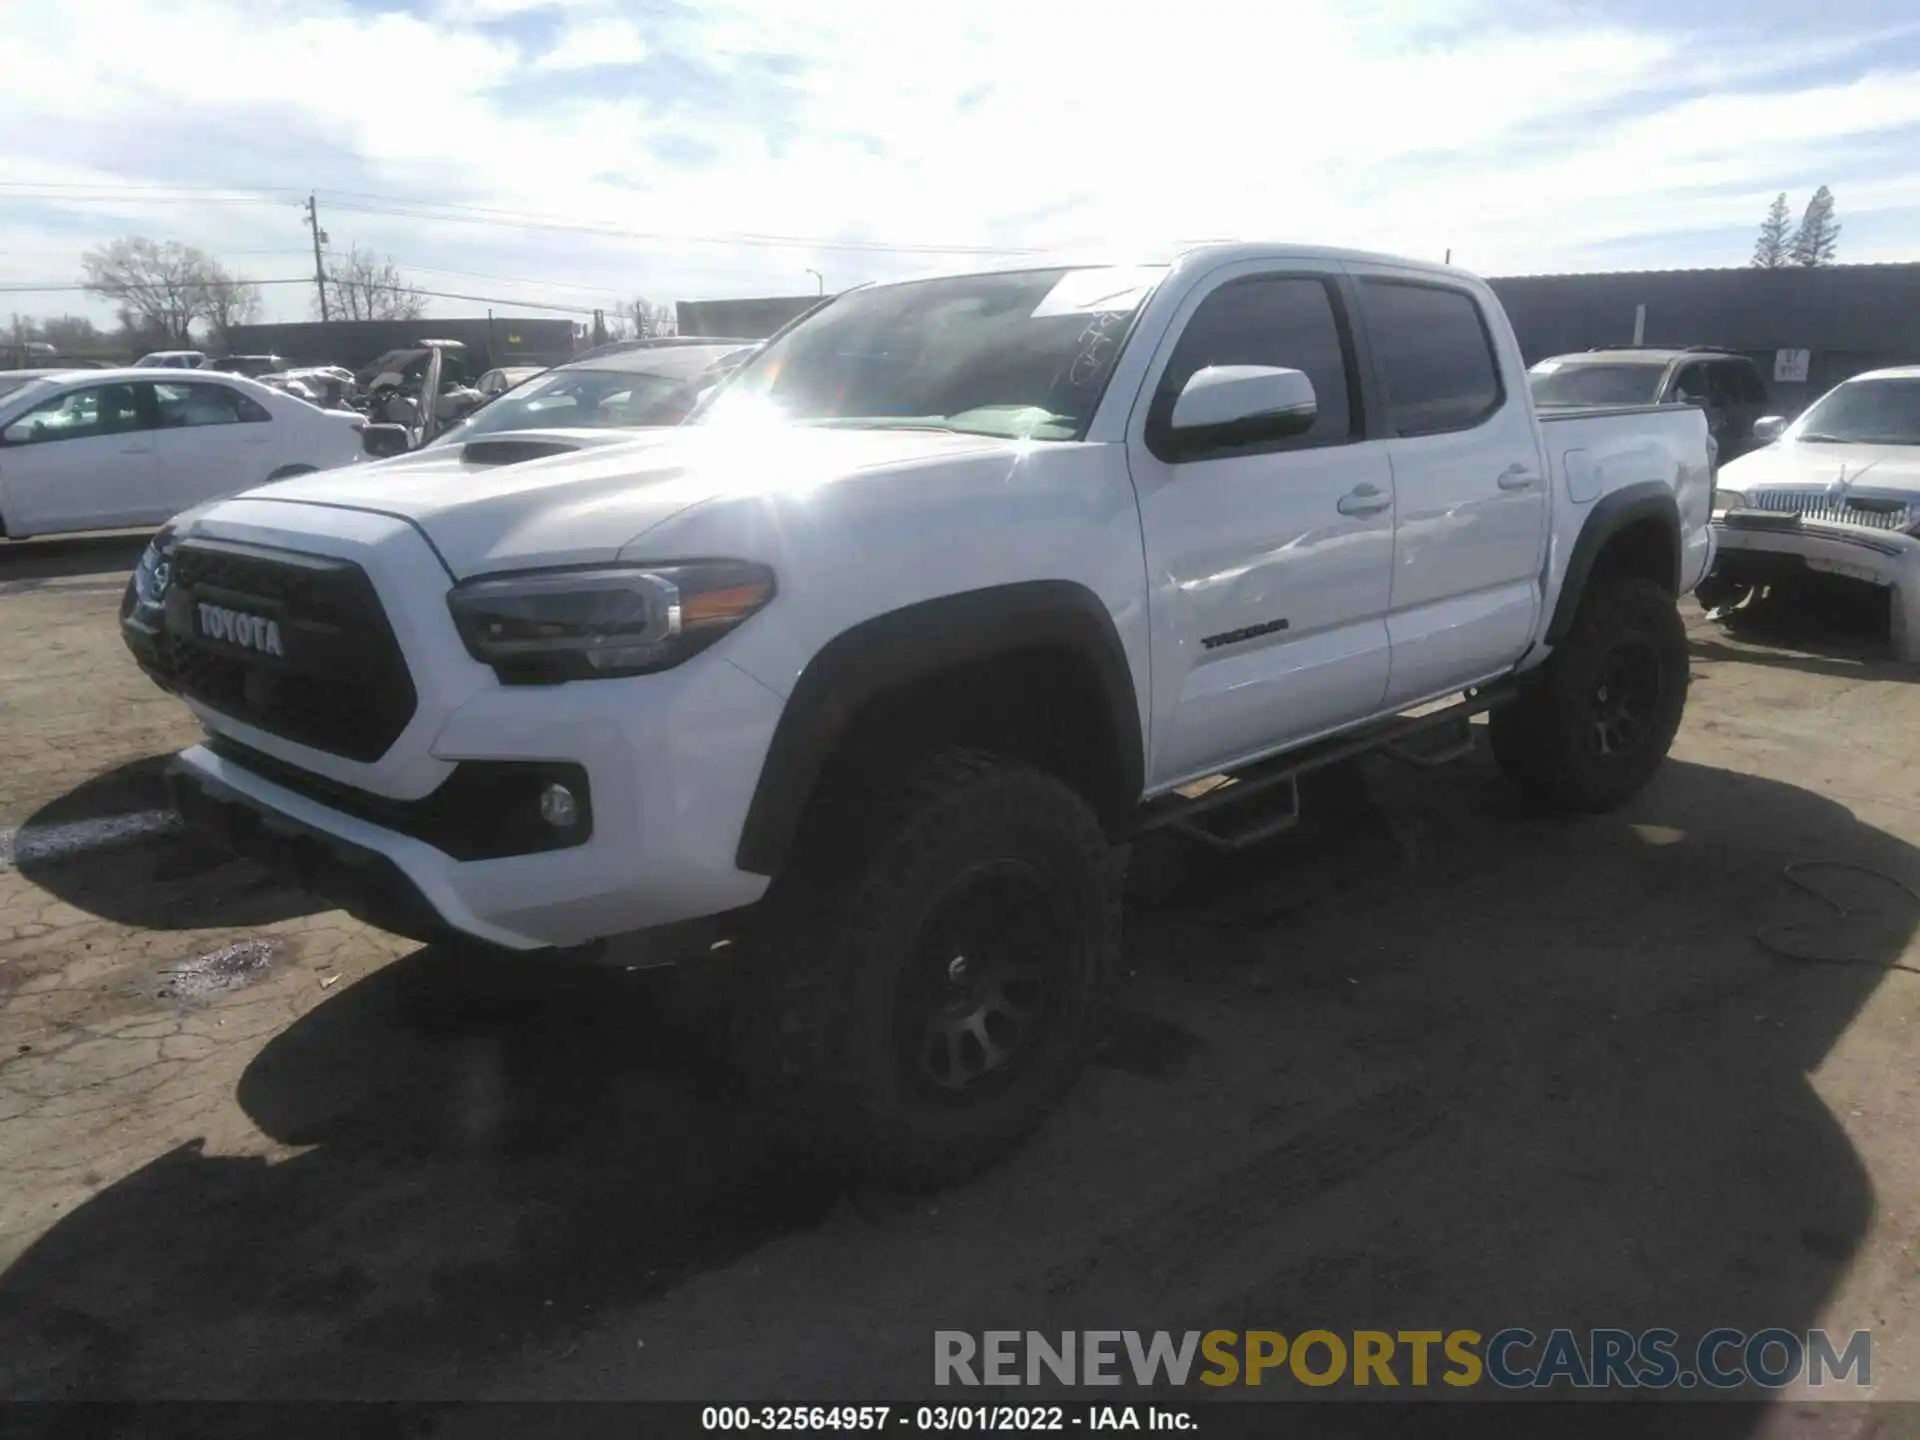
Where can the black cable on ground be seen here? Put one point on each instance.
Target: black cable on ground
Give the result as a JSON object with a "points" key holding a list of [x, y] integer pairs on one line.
{"points": [[1791, 874]]}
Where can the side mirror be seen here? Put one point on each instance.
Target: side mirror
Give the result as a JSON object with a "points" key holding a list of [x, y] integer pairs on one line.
{"points": [[1230, 405], [1768, 428], [384, 441]]}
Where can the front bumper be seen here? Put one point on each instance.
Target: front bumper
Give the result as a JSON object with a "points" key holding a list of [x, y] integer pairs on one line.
{"points": [[1758, 547], [670, 761]]}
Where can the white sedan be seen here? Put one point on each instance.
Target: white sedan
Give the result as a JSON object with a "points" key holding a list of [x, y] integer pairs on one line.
{"points": [[103, 449]]}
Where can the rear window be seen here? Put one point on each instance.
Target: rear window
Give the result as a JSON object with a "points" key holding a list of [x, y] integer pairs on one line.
{"points": [[1559, 382], [1438, 359]]}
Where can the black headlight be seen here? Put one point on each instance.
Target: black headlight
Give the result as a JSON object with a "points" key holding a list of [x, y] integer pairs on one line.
{"points": [[154, 574], [552, 625]]}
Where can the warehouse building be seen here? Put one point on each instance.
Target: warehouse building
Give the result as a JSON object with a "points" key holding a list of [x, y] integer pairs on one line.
{"points": [[1808, 329], [354, 343]]}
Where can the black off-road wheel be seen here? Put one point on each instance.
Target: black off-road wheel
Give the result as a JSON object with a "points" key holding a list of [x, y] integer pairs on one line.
{"points": [[924, 999], [1600, 717]]}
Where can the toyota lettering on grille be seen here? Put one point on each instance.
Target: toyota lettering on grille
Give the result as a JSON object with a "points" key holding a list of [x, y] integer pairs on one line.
{"points": [[249, 632]]}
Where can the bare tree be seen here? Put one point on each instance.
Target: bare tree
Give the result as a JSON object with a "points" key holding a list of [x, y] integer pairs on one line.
{"points": [[1776, 234], [362, 286], [649, 320], [1818, 238], [228, 301], [158, 288]]}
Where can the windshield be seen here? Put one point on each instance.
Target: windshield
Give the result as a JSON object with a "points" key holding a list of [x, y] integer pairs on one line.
{"points": [[1865, 412], [1595, 384], [13, 384], [590, 399], [1024, 355]]}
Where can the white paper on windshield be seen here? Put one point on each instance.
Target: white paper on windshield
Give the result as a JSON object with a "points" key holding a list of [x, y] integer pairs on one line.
{"points": [[1104, 290]]}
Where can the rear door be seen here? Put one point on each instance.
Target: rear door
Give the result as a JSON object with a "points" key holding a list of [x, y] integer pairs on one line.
{"points": [[1271, 561], [213, 440], [1469, 481], [83, 459]]}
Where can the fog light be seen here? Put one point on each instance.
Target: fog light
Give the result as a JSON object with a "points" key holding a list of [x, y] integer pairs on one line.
{"points": [[558, 807]]}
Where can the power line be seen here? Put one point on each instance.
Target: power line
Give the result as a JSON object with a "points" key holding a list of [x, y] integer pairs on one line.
{"points": [[621, 290], [10, 287], [449, 212], [612, 232]]}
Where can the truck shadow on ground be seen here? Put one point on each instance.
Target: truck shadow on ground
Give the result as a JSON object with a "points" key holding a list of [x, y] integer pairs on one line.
{"points": [[1432, 1062], [111, 557], [156, 879]]}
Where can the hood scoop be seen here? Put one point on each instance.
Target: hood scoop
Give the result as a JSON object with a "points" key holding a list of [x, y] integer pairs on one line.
{"points": [[514, 451]]}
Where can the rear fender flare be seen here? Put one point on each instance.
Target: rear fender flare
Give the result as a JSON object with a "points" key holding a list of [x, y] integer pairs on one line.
{"points": [[1611, 514]]}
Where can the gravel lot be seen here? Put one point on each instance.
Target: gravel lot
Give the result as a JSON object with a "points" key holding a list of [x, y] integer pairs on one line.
{"points": [[1430, 1061]]}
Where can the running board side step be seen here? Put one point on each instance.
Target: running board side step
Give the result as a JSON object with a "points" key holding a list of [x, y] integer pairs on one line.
{"points": [[1217, 809]]}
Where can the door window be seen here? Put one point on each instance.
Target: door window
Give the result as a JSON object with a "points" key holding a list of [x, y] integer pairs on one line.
{"points": [[1689, 386], [1435, 355], [1294, 323], [183, 406], [1738, 383], [79, 415]]}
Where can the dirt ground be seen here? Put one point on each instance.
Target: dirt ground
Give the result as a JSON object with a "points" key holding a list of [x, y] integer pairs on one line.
{"points": [[1430, 1061]]}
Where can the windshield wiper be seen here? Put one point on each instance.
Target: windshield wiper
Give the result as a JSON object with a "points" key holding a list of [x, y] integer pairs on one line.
{"points": [[1816, 438]]}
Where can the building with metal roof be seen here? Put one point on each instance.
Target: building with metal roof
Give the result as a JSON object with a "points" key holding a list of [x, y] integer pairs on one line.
{"points": [[1807, 328]]}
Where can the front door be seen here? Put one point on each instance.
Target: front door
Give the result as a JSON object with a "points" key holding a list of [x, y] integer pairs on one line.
{"points": [[82, 460], [1268, 564]]}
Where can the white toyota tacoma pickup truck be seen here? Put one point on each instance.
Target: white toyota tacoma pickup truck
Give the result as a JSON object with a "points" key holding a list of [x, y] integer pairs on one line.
{"points": [[869, 672]]}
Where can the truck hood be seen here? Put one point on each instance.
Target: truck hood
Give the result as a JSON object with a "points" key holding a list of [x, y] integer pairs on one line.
{"points": [[570, 497], [1791, 465]]}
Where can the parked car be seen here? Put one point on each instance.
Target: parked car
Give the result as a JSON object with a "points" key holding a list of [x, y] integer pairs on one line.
{"points": [[1837, 492], [172, 360], [330, 386], [958, 583], [11, 380], [627, 389], [657, 342], [1727, 386], [97, 450], [252, 366], [498, 381]]}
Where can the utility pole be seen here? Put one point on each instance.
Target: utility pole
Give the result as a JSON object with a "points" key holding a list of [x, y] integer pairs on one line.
{"points": [[319, 269], [820, 281]]}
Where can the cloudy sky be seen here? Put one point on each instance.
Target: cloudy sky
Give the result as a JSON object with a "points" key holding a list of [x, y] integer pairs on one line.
{"points": [[581, 152]]}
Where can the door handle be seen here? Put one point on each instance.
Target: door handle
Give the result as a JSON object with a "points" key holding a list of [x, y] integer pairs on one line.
{"points": [[1363, 500], [1516, 477]]}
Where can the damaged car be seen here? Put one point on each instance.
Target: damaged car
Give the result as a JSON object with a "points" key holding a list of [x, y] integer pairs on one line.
{"points": [[1835, 493]]}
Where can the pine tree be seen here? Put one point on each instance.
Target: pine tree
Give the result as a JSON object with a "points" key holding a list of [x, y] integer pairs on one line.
{"points": [[1776, 231], [1818, 237]]}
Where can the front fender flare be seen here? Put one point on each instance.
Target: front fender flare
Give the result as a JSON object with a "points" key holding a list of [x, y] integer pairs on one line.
{"points": [[917, 642]]}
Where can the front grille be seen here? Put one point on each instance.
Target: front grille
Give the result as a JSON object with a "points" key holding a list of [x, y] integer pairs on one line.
{"points": [[340, 683], [1834, 510]]}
